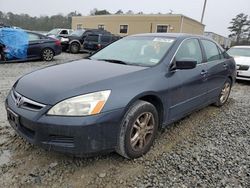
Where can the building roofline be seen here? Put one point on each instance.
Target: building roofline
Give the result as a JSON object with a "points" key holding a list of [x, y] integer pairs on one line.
{"points": [[141, 15], [216, 34]]}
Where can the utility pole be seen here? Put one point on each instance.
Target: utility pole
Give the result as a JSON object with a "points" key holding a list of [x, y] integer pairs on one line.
{"points": [[203, 11]]}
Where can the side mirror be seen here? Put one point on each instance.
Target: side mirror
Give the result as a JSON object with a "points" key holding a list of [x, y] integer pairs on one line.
{"points": [[185, 64]]}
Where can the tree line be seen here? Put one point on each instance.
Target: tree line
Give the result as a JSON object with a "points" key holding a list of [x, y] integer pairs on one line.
{"points": [[239, 26], [240, 29], [42, 23], [46, 23]]}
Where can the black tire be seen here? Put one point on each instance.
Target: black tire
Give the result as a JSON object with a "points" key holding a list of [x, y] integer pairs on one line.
{"points": [[47, 54], [74, 48], [224, 93], [140, 111]]}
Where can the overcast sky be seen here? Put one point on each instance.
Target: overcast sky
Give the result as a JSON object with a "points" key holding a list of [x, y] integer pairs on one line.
{"points": [[217, 16]]}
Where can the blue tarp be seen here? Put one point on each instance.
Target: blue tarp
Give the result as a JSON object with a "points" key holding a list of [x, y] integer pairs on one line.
{"points": [[15, 41]]}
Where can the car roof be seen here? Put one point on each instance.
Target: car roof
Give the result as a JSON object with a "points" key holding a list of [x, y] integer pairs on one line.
{"points": [[241, 47]]}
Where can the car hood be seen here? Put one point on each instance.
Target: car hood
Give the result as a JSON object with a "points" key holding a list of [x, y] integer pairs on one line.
{"points": [[241, 60], [55, 83], [73, 37]]}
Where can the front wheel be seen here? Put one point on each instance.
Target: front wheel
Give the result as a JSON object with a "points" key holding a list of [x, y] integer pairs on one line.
{"points": [[74, 48], [138, 130], [224, 94], [47, 54]]}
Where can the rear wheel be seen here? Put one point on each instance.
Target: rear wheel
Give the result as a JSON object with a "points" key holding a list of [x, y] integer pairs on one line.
{"points": [[224, 94], [138, 130], [74, 48], [47, 54]]}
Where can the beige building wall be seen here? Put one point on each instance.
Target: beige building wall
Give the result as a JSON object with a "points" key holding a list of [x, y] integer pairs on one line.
{"points": [[192, 26], [140, 23]]}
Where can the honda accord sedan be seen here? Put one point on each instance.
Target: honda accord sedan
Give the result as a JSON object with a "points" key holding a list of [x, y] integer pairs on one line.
{"points": [[118, 98]]}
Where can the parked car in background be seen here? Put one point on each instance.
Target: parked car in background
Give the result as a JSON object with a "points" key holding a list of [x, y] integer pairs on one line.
{"points": [[38, 47], [43, 47], [94, 42], [74, 42], [2, 56], [118, 98], [59, 32], [241, 56]]}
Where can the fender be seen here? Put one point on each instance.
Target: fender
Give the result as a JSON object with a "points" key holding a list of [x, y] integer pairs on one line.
{"points": [[145, 94], [77, 41]]}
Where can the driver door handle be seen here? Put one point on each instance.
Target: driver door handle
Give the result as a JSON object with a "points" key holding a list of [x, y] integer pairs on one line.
{"points": [[225, 65], [203, 72]]}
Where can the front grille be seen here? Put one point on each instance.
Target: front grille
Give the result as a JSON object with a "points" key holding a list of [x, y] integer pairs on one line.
{"points": [[23, 102], [242, 67]]}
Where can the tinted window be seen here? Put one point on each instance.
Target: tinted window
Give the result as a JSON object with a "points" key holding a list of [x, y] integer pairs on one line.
{"points": [[190, 49], [92, 38], [33, 37], [105, 38], [211, 50]]}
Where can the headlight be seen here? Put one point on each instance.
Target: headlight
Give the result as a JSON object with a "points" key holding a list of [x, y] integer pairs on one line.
{"points": [[64, 39], [82, 105]]}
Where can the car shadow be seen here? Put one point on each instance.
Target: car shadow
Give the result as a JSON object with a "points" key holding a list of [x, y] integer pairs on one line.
{"points": [[245, 82]]}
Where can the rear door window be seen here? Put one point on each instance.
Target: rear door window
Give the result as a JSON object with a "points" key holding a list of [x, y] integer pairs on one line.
{"points": [[92, 38], [105, 39], [33, 37], [190, 49], [211, 50]]}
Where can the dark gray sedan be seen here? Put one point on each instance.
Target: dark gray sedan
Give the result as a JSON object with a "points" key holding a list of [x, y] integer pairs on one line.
{"points": [[122, 95]]}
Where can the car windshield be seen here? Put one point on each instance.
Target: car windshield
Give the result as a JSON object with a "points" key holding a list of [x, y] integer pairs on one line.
{"points": [[239, 52], [141, 51], [53, 32], [77, 33]]}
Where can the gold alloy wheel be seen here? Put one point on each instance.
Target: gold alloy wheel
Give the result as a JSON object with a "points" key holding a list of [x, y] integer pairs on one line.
{"points": [[225, 92], [142, 131]]}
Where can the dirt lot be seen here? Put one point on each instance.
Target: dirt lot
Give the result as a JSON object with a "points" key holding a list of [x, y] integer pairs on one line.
{"points": [[210, 148]]}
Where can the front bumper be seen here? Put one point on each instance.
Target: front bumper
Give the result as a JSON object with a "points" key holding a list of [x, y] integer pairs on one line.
{"points": [[243, 75], [75, 135]]}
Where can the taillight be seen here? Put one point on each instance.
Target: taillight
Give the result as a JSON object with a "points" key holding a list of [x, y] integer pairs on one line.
{"points": [[58, 42], [99, 46]]}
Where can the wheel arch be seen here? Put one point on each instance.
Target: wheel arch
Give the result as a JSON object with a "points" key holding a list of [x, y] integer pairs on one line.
{"points": [[231, 79], [75, 41], [48, 48], [153, 98]]}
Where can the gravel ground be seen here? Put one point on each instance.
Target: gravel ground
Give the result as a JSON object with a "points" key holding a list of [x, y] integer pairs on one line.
{"points": [[209, 148]]}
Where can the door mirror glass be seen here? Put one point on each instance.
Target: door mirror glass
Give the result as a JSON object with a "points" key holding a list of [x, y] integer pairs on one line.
{"points": [[185, 64]]}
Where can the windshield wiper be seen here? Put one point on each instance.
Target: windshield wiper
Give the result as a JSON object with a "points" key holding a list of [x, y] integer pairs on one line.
{"points": [[114, 61]]}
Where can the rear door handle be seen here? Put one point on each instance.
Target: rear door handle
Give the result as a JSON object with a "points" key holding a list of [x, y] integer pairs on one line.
{"points": [[203, 73]]}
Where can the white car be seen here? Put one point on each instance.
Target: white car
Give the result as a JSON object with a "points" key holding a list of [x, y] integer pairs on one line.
{"points": [[241, 56], [59, 32]]}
